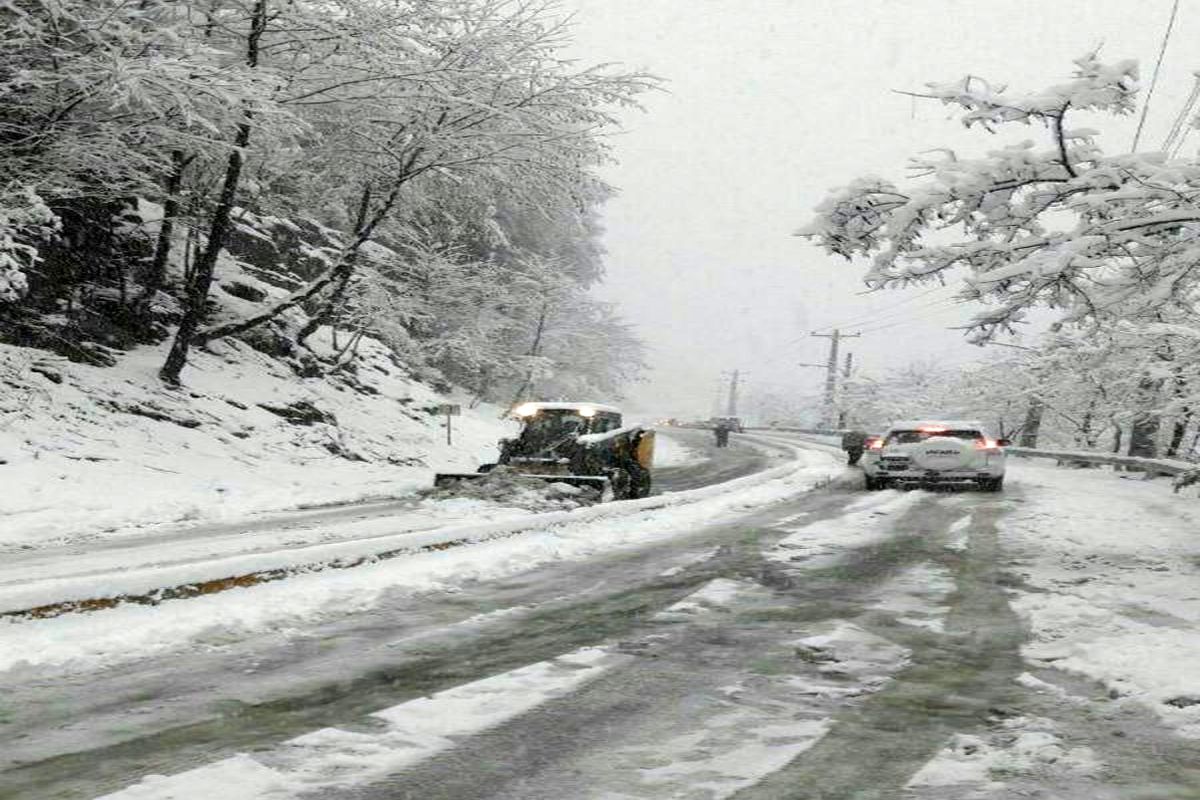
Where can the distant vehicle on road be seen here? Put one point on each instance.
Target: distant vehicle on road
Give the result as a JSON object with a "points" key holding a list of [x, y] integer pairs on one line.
{"points": [[935, 453]]}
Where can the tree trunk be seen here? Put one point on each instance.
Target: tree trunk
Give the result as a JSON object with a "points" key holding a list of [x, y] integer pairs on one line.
{"points": [[1143, 431], [342, 270], [202, 276], [1143, 436], [1087, 426], [325, 313], [1181, 422], [156, 272], [535, 350], [1033, 422], [1178, 431]]}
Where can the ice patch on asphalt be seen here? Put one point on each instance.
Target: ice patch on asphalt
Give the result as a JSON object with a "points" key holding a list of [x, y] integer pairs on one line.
{"points": [[413, 731], [959, 534], [915, 596], [733, 751], [843, 648], [688, 560], [772, 718], [1015, 747], [868, 521], [715, 595]]}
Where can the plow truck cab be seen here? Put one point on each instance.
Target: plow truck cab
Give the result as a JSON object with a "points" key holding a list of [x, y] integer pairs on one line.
{"points": [[580, 444]]}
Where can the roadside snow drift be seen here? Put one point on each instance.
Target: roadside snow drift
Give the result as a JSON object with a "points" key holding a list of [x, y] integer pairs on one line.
{"points": [[92, 451], [1112, 570]]}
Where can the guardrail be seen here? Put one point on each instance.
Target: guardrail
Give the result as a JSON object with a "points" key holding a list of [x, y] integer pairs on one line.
{"points": [[1185, 472]]}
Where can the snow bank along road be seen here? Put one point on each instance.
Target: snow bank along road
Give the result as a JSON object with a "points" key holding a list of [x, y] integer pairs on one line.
{"points": [[149, 564], [796, 638]]}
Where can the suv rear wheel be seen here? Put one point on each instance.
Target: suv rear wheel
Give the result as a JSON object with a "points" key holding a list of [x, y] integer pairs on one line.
{"points": [[992, 484]]}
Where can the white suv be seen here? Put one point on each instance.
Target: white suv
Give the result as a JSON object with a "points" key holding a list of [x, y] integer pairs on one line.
{"points": [[941, 452]]}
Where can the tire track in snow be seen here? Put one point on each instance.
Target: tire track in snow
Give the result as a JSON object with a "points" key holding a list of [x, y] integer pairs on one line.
{"points": [[405, 734], [677, 705], [558, 619], [874, 748]]}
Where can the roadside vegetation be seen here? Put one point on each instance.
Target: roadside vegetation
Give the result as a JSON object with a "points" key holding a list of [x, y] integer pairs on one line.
{"points": [[421, 173], [1103, 243]]}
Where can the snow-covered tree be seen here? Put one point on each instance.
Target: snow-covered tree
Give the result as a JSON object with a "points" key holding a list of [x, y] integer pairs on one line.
{"points": [[423, 152], [24, 220], [1060, 224], [1109, 241], [487, 100]]}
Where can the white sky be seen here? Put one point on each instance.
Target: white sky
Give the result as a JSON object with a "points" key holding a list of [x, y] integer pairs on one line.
{"points": [[769, 103]]}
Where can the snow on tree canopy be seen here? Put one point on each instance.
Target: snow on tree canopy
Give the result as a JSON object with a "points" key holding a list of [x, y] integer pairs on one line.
{"points": [[1060, 224], [24, 217]]}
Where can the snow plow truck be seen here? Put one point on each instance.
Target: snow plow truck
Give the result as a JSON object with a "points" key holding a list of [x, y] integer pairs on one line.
{"points": [[580, 444]]}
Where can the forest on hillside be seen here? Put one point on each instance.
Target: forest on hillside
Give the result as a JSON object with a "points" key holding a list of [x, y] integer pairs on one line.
{"points": [[419, 172]]}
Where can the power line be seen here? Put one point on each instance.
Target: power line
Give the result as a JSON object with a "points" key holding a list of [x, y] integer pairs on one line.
{"points": [[902, 323], [937, 304], [1182, 139], [1162, 50], [885, 311], [886, 308], [1181, 119], [944, 304], [1181, 127], [898, 324]]}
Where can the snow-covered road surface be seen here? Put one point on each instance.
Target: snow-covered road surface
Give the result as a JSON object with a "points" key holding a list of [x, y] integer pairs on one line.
{"points": [[830, 644], [141, 561]]}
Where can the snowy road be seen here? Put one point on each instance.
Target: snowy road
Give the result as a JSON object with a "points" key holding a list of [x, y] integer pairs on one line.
{"points": [[818, 642], [137, 561]]}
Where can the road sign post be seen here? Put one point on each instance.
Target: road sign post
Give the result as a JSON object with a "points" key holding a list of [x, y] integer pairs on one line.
{"points": [[451, 410]]}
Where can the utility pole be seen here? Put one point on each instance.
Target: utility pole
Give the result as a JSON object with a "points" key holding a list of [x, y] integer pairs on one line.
{"points": [[843, 411], [731, 407], [831, 376]]}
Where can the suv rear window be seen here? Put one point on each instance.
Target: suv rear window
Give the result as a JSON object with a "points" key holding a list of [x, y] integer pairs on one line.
{"points": [[911, 437]]}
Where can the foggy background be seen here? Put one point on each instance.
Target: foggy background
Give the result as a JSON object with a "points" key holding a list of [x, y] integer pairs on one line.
{"points": [[768, 104]]}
